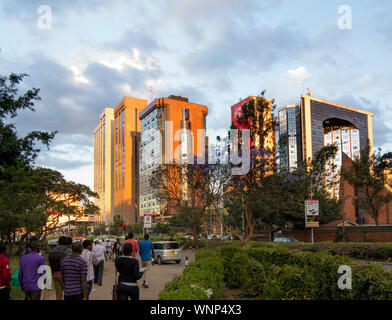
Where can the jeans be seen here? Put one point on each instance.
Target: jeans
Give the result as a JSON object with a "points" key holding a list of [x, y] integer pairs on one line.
{"points": [[98, 272], [89, 288], [33, 295], [5, 294], [124, 292]]}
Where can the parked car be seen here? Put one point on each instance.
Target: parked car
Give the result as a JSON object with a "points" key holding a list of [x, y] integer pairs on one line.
{"points": [[285, 239], [212, 237], [167, 251]]}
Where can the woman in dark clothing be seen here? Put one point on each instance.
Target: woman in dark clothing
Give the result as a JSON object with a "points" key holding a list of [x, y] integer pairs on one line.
{"points": [[128, 269]]}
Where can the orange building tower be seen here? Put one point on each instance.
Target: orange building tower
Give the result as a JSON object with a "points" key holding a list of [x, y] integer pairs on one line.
{"points": [[165, 122], [126, 158]]}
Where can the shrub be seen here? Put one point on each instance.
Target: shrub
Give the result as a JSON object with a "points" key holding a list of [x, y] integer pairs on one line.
{"points": [[289, 283], [254, 279], [202, 280]]}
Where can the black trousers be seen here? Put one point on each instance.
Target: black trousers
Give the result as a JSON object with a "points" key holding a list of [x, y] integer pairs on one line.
{"points": [[74, 297], [33, 295], [5, 294], [124, 292]]}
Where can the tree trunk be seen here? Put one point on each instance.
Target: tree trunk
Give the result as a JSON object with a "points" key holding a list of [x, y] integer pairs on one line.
{"points": [[195, 235]]}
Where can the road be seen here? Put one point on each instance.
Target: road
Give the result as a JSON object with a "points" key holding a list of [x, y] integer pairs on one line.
{"points": [[159, 275]]}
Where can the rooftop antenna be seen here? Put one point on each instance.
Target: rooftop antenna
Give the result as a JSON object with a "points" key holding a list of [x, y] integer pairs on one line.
{"points": [[150, 94]]}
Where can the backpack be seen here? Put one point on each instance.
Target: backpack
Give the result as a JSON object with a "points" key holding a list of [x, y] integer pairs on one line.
{"points": [[55, 257]]}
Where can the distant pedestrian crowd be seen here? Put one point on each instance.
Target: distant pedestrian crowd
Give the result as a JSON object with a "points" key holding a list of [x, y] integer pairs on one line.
{"points": [[76, 266]]}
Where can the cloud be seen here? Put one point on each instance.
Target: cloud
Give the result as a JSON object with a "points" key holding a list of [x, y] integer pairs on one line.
{"points": [[382, 132], [299, 75]]}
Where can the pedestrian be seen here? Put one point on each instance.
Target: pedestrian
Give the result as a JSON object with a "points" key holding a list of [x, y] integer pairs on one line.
{"points": [[5, 274], [128, 269], [146, 247], [108, 248], [55, 256], [133, 242], [74, 274], [92, 261], [29, 273], [117, 248], [99, 252]]}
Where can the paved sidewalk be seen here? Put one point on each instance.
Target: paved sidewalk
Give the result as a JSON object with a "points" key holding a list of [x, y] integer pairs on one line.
{"points": [[159, 275]]}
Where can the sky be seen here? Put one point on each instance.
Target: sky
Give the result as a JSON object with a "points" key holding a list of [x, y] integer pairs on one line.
{"points": [[87, 55]]}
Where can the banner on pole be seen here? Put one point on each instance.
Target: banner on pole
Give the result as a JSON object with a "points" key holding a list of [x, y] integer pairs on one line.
{"points": [[311, 213], [147, 219]]}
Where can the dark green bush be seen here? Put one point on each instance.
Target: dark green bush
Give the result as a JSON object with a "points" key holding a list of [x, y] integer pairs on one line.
{"points": [[289, 283], [254, 279], [202, 280]]}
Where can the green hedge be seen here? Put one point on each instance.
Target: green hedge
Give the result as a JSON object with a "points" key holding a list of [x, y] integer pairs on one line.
{"points": [[356, 250], [202, 280], [277, 272]]}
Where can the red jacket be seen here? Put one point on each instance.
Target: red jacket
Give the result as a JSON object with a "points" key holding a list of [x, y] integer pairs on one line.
{"points": [[5, 273]]}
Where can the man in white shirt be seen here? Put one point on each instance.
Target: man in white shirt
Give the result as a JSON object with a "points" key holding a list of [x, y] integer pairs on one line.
{"points": [[92, 261], [99, 251], [108, 247]]}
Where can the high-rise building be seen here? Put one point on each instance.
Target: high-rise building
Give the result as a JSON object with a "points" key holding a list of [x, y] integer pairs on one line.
{"points": [[314, 123], [290, 150], [126, 158], [103, 165], [169, 132]]}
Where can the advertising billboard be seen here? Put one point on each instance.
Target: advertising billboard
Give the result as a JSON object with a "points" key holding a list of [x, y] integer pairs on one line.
{"points": [[312, 213]]}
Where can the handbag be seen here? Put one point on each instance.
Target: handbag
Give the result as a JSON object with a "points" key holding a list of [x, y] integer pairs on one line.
{"points": [[114, 292]]}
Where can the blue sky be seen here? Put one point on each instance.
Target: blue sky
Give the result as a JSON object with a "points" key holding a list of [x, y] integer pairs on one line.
{"points": [[212, 51]]}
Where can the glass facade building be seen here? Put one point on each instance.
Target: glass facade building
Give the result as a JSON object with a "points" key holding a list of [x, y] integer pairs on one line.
{"points": [[289, 137], [149, 160]]}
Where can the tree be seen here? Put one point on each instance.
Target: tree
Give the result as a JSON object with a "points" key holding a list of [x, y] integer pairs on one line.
{"points": [[29, 195], [257, 116], [116, 227], [161, 227], [367, 176], [190, 189]]}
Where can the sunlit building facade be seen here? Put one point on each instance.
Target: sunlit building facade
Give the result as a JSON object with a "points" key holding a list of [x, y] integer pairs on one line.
{"points": [[127, 128], [103, 165], [169, 132], [307, 127]]}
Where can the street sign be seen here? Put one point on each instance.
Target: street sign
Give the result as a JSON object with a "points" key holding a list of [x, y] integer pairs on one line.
{"points": [[147, 219], [312, 213]]}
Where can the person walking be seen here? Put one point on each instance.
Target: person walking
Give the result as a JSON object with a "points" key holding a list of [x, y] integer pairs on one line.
{"points": [[99, 251], [109, 250], [55, 256], [128, 269], [92, 261], [146, 247], [74, 274], [5, 274], [133, 242], [117, 248], [28, 276]]}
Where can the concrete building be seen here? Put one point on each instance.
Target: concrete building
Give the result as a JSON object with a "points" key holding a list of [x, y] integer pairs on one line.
{"points": [[126, 145], [307, 127], [103, 165], [169, 132]]}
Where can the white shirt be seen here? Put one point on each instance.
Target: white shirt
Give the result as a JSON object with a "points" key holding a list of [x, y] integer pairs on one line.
{"points": [[91, 260], [99, 252]]}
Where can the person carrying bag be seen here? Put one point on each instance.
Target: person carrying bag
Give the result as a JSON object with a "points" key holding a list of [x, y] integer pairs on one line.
{"points": [[126, 286]]}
